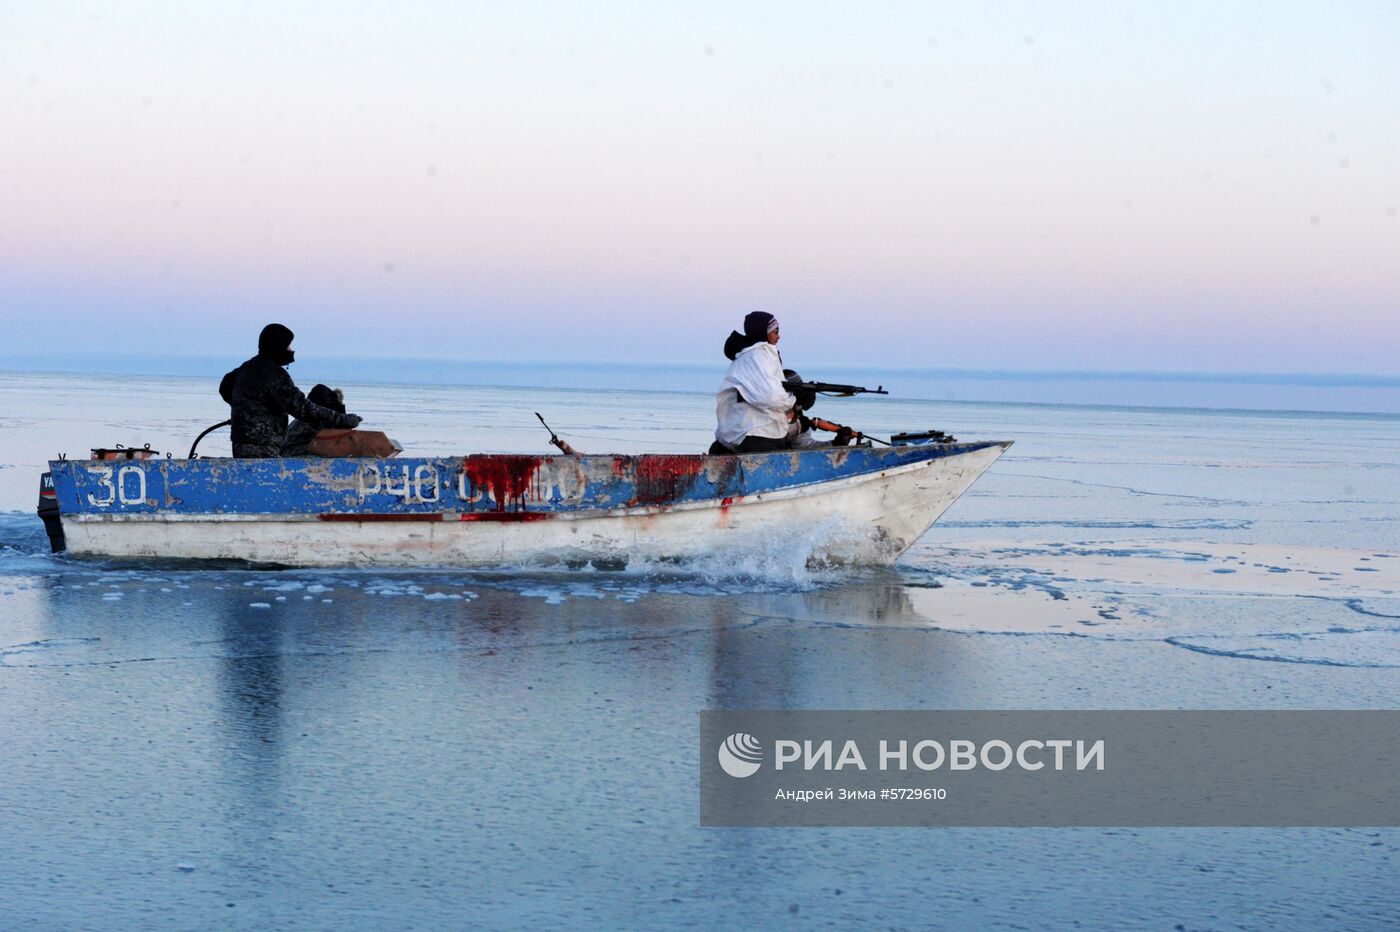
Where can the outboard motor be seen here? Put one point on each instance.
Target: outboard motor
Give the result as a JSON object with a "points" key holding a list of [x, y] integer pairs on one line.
{"points": [[48, 512]]}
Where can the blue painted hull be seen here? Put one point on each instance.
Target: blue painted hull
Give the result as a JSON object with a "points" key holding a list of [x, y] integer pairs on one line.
{"points": [[502, 506]]}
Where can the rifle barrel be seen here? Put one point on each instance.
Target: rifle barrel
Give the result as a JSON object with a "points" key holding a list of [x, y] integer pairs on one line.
{"points": [[553, 437], [835, 388]]}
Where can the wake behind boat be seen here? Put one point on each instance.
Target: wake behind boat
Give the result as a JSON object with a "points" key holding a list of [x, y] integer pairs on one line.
{"points": [[863, 505]]}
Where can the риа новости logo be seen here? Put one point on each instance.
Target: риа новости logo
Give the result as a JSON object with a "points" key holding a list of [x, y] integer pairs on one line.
{"points": [[740, 755]]}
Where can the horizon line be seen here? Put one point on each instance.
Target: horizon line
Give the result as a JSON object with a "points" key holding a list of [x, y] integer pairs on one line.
{"points": [[1159, 408], [1314, 379]]}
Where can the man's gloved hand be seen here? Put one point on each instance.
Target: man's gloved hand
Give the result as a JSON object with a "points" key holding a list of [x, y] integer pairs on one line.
{"points": [[354, 420]]}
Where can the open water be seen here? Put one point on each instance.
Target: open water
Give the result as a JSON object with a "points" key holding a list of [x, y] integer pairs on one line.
{"points": [[242, 747]]}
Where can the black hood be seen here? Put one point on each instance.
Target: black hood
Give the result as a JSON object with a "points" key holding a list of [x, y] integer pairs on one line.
{"points": [[756, 327], [738, 342], [273, 344]]}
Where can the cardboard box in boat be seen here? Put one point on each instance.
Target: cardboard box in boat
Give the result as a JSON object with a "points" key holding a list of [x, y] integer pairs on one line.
{"points": [[340, 443]]}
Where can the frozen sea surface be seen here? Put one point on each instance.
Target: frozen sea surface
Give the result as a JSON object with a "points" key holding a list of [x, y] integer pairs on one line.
{"points": [[241, 747]]}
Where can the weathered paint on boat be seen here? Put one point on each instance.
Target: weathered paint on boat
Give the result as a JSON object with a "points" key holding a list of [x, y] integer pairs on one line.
{"points": [[870, 505]]}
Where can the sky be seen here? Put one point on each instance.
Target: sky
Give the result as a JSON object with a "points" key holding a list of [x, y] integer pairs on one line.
{"points": [[1117, 186]]}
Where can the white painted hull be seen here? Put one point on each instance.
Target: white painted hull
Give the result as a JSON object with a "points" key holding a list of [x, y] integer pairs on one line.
{"points": [[868, 519]]}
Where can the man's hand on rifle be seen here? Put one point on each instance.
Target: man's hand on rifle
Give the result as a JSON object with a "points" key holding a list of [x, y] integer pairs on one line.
{"points": [[844, 434]]}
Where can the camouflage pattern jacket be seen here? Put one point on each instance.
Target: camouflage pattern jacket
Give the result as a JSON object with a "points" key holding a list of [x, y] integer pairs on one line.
{"points": [[299, 437], [262, 395]]}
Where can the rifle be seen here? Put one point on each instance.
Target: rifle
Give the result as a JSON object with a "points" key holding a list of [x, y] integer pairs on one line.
{"points": [[563, 445], [834, 389]]}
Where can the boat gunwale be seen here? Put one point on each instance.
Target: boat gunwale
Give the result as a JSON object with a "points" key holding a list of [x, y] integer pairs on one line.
{"points": [[797, 490]]}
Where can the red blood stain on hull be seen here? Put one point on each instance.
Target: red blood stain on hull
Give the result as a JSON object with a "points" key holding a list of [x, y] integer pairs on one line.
{"points": [[724, 507], [507, 478], [430, 516], [662, 479]]}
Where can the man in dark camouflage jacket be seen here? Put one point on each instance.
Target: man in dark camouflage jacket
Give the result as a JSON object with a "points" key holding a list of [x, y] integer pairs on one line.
{"points": [[262, 395]]}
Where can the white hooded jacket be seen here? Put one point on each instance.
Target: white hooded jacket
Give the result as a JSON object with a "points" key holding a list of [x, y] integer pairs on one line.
{"points": [[752, 401]]}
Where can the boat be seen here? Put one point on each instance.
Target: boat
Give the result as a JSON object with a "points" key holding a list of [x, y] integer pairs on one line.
{"points": [[858, 505]]}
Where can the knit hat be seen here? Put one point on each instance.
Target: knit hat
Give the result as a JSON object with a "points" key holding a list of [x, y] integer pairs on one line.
{"points": [[759, 324], [327, 397]]}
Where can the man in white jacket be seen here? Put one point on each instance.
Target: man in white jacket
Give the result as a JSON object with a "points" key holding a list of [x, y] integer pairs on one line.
{"points": [[753, 409]]}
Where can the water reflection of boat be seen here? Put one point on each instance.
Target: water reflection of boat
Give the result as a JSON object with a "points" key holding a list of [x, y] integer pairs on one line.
{"points": [[861, 505]]}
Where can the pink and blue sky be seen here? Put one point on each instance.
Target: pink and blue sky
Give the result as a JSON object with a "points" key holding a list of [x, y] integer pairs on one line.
{"points": [[1187, 186]]}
